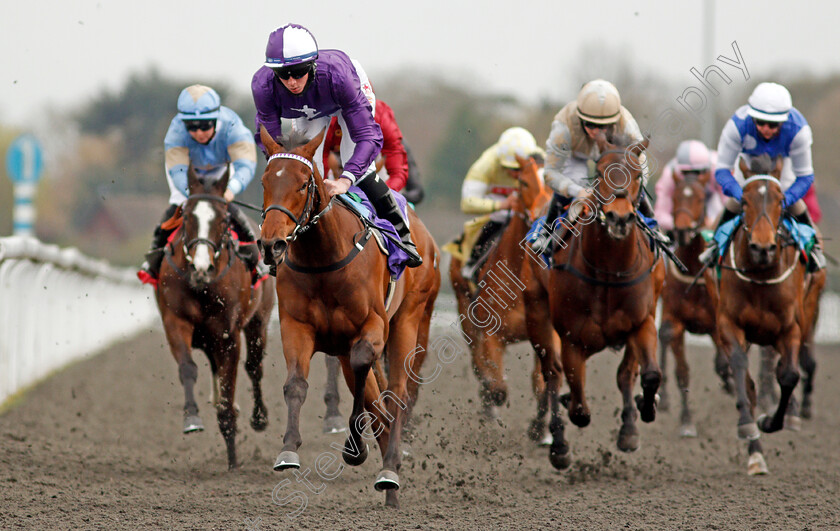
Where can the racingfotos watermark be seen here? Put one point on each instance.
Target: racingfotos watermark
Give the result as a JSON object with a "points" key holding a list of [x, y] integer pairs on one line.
{"points": [[328, 466]]}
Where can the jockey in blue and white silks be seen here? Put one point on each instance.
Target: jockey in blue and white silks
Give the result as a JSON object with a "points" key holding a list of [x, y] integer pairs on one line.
{"points": [[213, 139], [767, 125], [307, 86], [232, 144]]}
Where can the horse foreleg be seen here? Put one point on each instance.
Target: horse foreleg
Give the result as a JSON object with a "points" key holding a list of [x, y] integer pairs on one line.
{"points": [[767, 395], [628, 369], [179, 335], [255, 337], [722, 368], [537, 429], [298, 348], [363, 353], [643, 343], [333, 421], [225, 412], [666, 336], [687, 428], [488, 353], [809, 366], [787, 374], [574, 368]]}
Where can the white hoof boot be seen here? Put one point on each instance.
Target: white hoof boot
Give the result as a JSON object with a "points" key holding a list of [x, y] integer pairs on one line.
{"points": [[756, 465], [287, 460]]}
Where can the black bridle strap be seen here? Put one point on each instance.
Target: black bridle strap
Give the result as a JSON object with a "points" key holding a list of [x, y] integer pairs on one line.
{"points": [[335, 266]]}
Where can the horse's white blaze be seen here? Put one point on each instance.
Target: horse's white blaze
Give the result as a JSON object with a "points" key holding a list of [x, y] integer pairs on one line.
{"points": [[763, 190], [688, 192], [204, 214]]}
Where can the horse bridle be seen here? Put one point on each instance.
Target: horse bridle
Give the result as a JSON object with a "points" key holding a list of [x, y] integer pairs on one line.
{"points": [[306, 220], [600, 216], [689, 181], [217, 249], [777, 224]]}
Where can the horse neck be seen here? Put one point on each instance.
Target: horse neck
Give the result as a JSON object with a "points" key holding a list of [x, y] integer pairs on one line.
{"points": [[508, 249], [690, 254], [327, 240]]}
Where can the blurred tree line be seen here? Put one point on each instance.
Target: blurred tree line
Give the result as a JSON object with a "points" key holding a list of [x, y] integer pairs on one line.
{"points": [[106, 168]]}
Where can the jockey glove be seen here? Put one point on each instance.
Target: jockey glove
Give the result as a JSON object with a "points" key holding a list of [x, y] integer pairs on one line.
{"points": [[728, 184]]}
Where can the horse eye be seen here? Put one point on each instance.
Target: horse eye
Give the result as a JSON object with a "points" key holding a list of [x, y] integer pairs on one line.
{"points": [[302, 188]]}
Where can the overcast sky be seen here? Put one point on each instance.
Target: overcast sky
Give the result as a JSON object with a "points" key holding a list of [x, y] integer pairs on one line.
{"points": [[57, 54]]}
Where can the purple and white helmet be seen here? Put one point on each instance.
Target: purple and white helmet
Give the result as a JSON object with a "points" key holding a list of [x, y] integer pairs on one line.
{"points": [[693, 155], [290, 45]]}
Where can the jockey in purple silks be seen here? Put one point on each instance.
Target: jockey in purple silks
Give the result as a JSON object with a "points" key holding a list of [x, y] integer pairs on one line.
{"points": [[306, 86]]}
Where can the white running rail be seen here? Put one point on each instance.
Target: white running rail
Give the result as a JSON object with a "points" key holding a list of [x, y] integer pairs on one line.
{"points": [[57, 306]]}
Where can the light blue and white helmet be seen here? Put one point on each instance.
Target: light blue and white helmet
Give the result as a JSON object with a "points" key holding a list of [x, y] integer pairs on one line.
{"points": [[290, 45], [198, 102]]}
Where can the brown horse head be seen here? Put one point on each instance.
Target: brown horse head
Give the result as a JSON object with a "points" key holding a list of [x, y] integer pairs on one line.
{"points": [[532, 189], [689, 203], [292, 189], [617, 185], [205, 226], [762, 207]]}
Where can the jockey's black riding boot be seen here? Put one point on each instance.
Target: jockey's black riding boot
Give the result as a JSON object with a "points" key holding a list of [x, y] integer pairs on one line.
{"points": [[647, 209], [387, 208], [155, 255], [248, 250], [543, 237], [817, 257], [710, 254]]}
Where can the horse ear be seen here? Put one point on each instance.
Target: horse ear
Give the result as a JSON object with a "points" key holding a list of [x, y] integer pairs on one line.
{"points": [[269, 143], [744, 168], [522, 161], [311, 147], [601, 140], [638, 147], [777, 171], [220, 185], [192, 179]]}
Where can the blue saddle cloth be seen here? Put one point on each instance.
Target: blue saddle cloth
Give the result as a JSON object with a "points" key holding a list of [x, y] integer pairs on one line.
{"points": [[802, 234], [396, 257]]}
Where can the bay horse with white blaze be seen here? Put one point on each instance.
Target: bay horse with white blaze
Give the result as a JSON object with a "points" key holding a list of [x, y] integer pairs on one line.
{"points": [[760, 298], [600, 291], [501, 291], [335, 300], [686, 304], [206, 301]]}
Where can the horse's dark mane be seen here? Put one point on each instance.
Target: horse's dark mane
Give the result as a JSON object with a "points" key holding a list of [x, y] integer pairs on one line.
{"points": [[762, 164], [292, 140]]}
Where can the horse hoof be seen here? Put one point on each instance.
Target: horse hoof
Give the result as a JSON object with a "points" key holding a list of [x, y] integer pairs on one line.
{"points": [[286, 460], [756, 466], [547, 440], [536, 429], [560, 458], [647, 412], [748, 431], [387, 480], [765, 424], [628, 439], [580, 417], [351, 458], [491, 412], [193, 423], [565, 400], [334, 424], [793, 423], [688, 431], [259, 421]]}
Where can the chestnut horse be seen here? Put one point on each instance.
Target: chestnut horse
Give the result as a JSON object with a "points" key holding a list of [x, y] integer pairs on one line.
{"points": [[500, 290], [760, 298], [205, 300], [686, 304], [600, 291], [335, 300]]}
